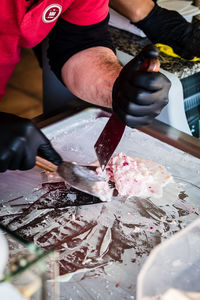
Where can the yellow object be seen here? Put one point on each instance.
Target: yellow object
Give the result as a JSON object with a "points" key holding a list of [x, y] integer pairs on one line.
{"points": [[169, 51]]}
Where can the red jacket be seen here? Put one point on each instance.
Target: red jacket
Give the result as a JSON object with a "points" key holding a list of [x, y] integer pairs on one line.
{"points": [[25, 24]]}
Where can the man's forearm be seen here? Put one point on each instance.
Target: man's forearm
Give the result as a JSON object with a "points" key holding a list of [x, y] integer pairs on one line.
{"points": [[91, 73], [134, 10]]}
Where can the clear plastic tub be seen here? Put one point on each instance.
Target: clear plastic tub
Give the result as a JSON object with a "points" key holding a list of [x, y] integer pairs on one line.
{"points": [[172, 271]]}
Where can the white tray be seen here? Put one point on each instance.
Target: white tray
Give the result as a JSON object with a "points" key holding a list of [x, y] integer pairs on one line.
{"points": [[103, 246]]}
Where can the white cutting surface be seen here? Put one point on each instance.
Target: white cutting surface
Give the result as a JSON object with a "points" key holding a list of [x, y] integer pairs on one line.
{"points": [[104, 245]]}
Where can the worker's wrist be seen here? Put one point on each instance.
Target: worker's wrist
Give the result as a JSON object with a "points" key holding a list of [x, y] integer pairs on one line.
{"points": [[139, 13], [135, 10]]}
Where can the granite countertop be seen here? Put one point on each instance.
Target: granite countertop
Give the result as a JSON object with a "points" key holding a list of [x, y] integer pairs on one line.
{"points": [[132, 44]]}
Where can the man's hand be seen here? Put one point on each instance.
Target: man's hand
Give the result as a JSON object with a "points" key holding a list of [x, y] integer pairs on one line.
{"points": [[20, 142], [138, 96]]}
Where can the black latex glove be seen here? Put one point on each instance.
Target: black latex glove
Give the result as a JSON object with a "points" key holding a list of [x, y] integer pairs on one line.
{"points": [[138, 97], [170, 28], [20, 142]]}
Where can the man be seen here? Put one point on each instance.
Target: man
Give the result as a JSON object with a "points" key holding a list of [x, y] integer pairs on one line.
{"points": [[82, 56], [162, 25]]}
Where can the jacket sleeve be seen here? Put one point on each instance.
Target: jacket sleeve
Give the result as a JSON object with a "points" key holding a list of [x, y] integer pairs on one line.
{"points": [[170, 28]]}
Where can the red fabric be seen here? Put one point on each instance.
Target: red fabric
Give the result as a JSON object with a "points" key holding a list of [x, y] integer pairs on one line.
{"points": [[86, 12], [23, 25]]}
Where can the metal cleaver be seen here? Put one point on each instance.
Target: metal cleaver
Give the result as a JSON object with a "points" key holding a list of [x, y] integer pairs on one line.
{"points": [[114, 128]]}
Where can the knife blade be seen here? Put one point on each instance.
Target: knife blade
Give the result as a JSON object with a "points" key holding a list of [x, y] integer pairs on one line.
{"points": [[114, 128]]}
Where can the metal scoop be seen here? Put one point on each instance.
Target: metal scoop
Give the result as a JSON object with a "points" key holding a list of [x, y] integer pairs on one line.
{"points": [[79, 177]]}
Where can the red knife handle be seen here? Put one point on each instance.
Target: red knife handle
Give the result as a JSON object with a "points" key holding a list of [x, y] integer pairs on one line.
{"points": [[150, 65]]}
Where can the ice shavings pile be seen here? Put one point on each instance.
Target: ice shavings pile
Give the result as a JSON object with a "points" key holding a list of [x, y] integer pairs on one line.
{"points": [[103, 190], [132, 176]]}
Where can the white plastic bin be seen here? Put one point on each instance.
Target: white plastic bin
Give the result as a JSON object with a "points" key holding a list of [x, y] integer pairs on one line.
{"points": [[174, 264]]}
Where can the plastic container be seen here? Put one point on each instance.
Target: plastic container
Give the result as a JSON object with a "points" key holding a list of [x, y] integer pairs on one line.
{"points": [[3, 253], [174, 264]]}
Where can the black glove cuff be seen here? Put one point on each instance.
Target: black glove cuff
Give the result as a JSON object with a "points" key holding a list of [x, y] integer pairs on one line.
{"points": [[167, 27]]}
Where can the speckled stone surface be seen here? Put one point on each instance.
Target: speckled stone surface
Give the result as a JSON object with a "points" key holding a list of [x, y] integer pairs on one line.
{"points": [[132, 44]]}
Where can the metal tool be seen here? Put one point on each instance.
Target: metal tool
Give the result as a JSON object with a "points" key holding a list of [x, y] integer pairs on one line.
{"points": [[114, 128], [79, 177]]}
